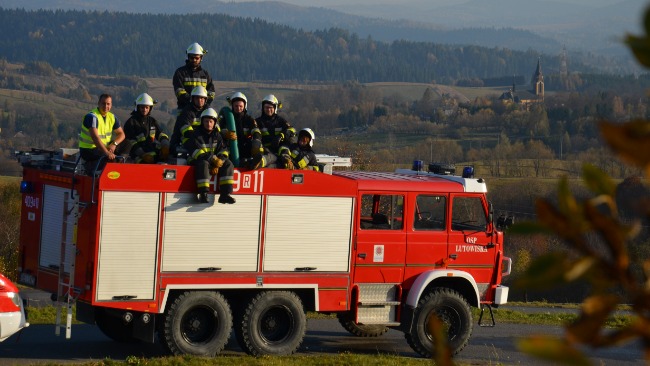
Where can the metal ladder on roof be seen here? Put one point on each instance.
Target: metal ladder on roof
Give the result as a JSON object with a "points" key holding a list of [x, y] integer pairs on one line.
{"points": [[66, 292]]}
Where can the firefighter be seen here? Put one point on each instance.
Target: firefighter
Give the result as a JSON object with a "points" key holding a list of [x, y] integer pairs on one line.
{"points": [[149, 144], [301, 155], [191, 75], [101, 136], [209, 156], [189, 118], [247, 134], [276, 131]]}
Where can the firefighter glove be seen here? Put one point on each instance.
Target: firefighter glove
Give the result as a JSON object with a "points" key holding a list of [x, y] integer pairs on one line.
{"points": [[288, 162], [231, 135], [215, 162], [214, 170]]}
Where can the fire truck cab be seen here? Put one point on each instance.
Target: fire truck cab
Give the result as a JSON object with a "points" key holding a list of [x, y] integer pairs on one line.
{"points": [[144, 260]]}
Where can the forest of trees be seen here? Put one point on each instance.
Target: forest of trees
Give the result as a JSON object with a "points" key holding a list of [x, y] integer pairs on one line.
{"points": [[242, 49]]}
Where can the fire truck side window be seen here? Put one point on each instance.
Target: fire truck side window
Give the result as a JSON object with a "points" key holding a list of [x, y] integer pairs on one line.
{"points": [[467, 213], [430, 213], [382, 212]]}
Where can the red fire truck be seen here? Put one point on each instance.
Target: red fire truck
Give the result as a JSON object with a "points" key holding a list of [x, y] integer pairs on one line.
{"points": [[142, 258]]}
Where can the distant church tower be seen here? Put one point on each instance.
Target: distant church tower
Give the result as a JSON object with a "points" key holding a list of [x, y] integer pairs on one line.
{"points": [[538, 81]]}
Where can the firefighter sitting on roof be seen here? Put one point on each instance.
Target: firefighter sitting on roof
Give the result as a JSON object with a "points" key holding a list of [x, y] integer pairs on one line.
{"points": [[247, 134], [209, 155], [300, 155], [276, 132], [101, 136], [189, 118], [149, 144]]}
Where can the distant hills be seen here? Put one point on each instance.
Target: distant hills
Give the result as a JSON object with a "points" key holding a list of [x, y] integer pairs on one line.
{"points": [[153, 45], [545, 26]]}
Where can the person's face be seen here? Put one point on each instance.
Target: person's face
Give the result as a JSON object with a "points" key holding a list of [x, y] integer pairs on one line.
{"points": [[208, 123], [199, 102], [238, 106], [269, 109], [303, 140], [144, 109], [195, 60], [105, 105]]}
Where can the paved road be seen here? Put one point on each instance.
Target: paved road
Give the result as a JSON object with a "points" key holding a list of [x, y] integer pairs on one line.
{"points": [[38, 344]]}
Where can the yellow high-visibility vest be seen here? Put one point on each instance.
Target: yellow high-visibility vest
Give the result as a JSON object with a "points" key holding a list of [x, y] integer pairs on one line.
{"points": [[104, 129]]}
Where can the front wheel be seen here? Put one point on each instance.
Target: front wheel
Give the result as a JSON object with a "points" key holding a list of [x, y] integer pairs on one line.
{"points": [[454, 312], [197, 323], [274, 323]]}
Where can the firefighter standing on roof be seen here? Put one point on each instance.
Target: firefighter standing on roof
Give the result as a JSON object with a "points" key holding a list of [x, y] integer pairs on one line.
{"points": [[149, 144], [248, 135], [189, 118], [191, 75], [301, 155], [209, 155]]}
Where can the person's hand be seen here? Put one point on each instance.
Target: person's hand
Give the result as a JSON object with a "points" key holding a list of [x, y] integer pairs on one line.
{"points": [[111, 148], [231, 135], [214, 170], [110, 155]]}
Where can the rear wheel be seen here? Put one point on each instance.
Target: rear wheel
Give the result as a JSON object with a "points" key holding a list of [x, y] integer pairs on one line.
{"points": [[197, 323], [360, 330], [273, 323], [452, 309], [112, 323]]}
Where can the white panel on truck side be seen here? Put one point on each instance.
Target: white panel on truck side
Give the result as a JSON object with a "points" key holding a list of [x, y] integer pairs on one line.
{"points": [[308, 234], [51, 227], [128, 243], [200, 236]]}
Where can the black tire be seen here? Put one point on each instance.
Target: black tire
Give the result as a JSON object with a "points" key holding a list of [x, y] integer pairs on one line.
{"points": [[112, 324], [274, 323], [197, 323], [360, 330], [452, 309]]}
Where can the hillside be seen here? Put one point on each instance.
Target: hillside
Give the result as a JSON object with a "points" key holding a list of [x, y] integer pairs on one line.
{"points": [[151, 45], [544, 26]]}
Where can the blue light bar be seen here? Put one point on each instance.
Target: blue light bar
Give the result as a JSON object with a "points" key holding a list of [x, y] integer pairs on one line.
{"points": [[468, 172], [26, 187]]}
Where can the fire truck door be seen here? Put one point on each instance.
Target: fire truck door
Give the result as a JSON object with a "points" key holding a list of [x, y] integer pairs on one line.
{"points": [[380, 249], [470, 246], [426, 246], [128, 246]]}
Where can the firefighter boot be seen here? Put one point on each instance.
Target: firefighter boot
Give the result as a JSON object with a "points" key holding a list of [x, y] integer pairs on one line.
{"points": [[203, 197], [226, 198]]}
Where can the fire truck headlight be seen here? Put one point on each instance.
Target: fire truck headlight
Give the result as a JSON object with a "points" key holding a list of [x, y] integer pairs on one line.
{"points": [[26, 187]]}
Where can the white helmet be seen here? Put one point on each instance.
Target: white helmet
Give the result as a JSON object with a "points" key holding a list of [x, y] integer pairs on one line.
{"points": [[272, 100], [210, 112], [309, 133], [199, 91], [145, 99], [195, 49], [239, 96]]}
